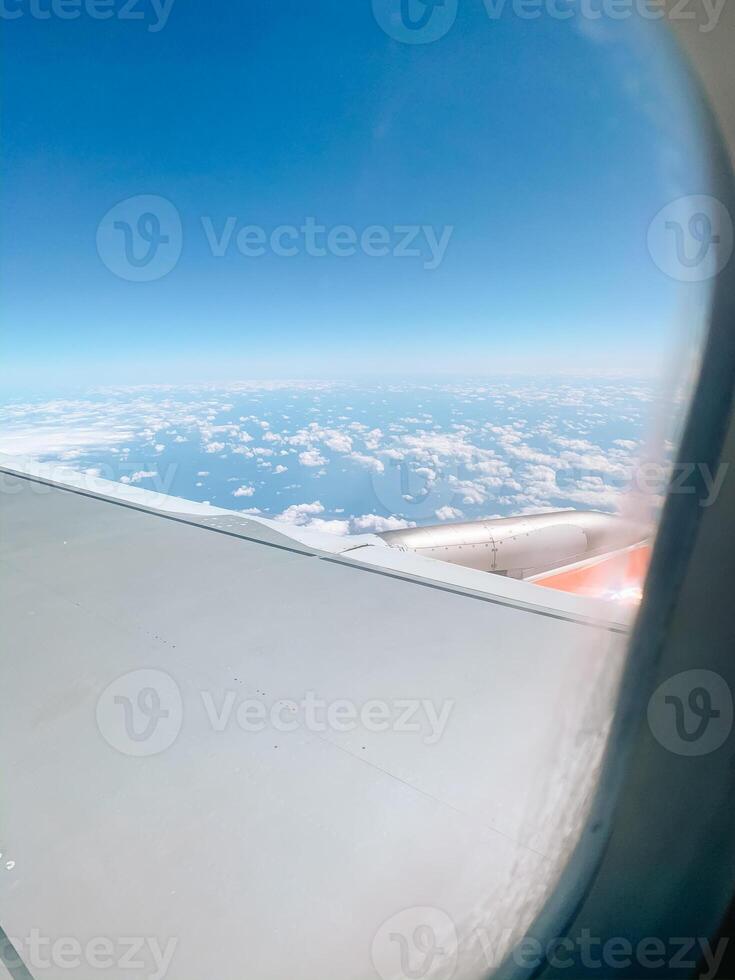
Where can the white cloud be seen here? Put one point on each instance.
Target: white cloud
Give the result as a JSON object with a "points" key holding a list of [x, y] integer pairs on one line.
{"points": [[372, 523], [330, 527], [337, 442], [246, 491], [300, 514], [45, 441], [368, 462], [312, 457], [308, 515], [139, 476], [448, 513]]}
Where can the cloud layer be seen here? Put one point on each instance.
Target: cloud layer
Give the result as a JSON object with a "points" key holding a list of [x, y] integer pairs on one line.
{"points": [[350, 459]]}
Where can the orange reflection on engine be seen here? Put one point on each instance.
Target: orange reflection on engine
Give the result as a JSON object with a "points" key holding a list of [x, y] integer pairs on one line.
{"points": [[617, 576]]}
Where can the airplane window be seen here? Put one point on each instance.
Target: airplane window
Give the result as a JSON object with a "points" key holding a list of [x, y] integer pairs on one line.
{"points": [[348, 350]]}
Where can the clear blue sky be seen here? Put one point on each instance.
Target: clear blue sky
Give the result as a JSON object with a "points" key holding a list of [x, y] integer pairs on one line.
{"points": [[548, 146]]}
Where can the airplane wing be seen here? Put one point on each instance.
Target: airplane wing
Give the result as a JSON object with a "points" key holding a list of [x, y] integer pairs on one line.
{"points": [[247, 751]]}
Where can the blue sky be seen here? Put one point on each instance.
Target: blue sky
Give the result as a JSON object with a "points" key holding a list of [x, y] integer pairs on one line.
{"points": [[547, 147]]}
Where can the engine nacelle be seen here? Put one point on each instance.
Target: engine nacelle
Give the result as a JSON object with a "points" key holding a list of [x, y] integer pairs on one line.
{"points": [[521, 546]]}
